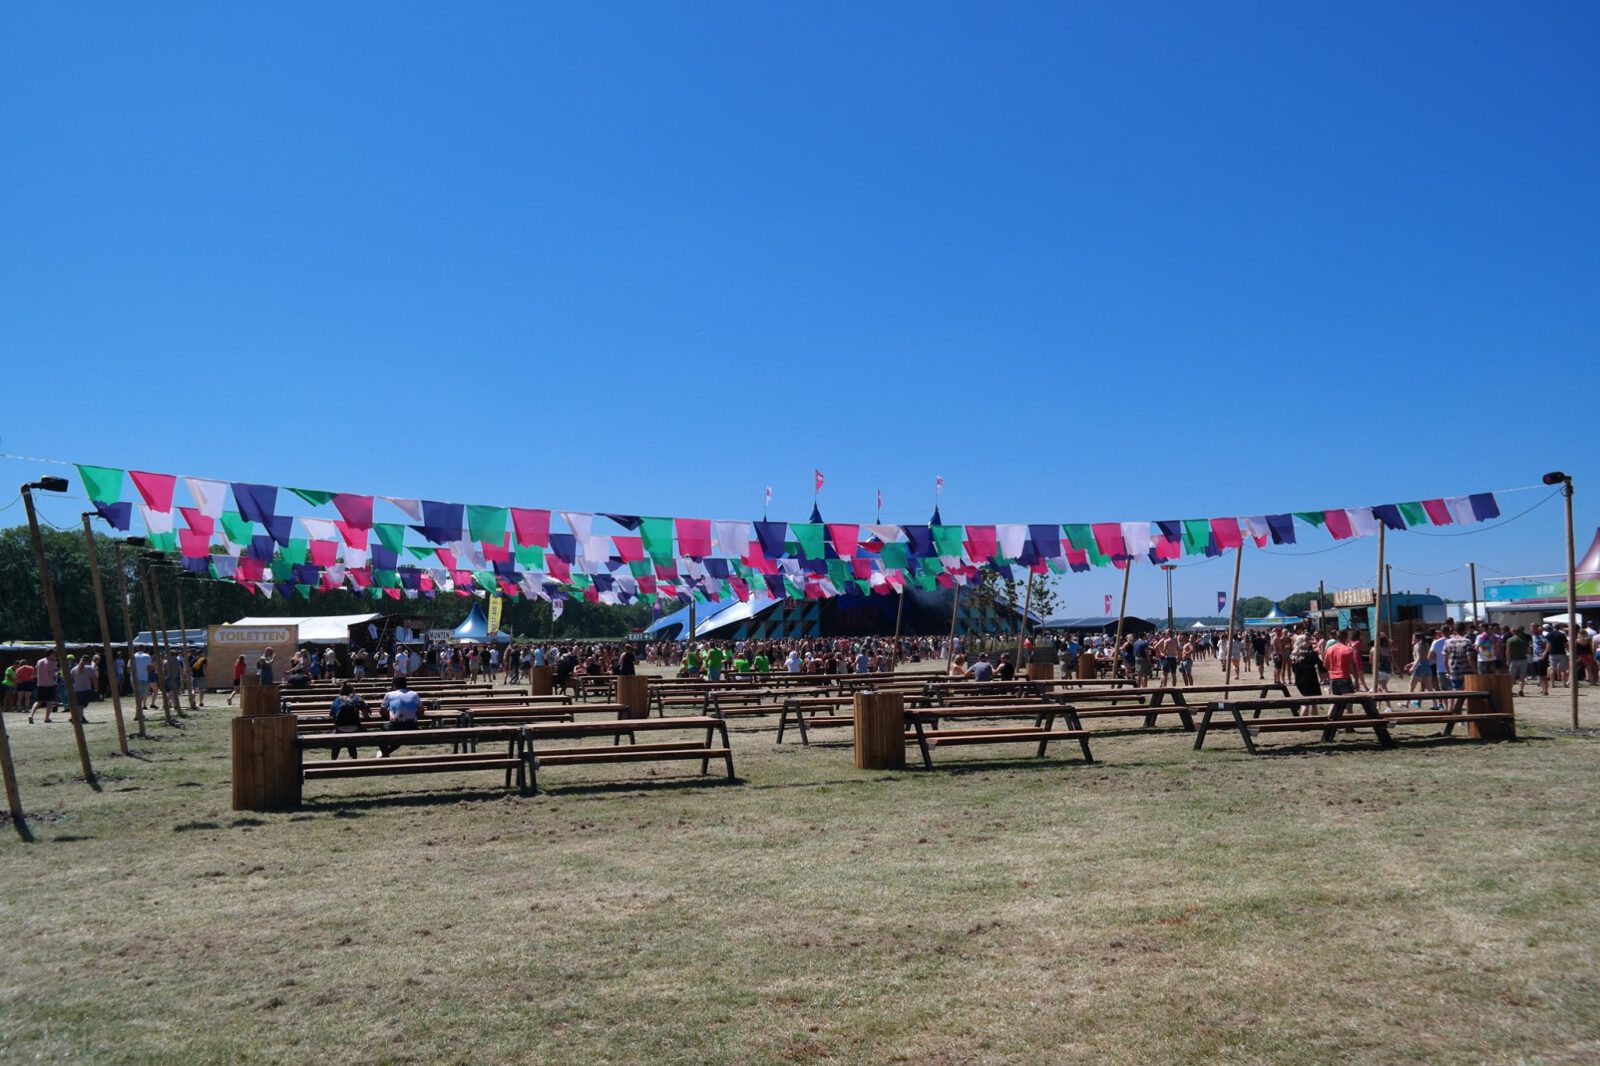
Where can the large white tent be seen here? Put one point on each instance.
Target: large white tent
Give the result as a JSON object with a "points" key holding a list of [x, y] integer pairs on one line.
{"points": [[317, 628]]}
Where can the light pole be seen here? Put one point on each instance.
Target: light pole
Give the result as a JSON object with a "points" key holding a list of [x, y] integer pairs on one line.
{"points": [[47, 586], [1556, 477], [1169, 568]]}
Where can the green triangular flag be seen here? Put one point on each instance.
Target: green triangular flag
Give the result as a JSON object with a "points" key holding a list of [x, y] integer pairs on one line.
{"points": [[1316, 518], [420, 552], [296, 551], [809, 535], [102, 483], [304, 591], [532, 557], [487, 523], [657, 536], [386, 579], [895, 555], [1081, 537], [313, 497], [795, 590], [282, 570], [1196, 535], [236, 528], [486, 580], [1414, 514], [947, 540], [391, 535]]}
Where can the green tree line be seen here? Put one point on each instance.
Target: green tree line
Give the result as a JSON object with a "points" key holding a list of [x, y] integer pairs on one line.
{"points": [[210, 602]]}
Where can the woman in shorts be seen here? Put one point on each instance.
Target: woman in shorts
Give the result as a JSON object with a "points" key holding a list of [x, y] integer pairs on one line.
{"points": [[238, 678]]}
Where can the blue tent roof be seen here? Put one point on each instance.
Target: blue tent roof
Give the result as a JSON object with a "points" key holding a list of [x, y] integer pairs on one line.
{"points": [[476, 627], [675, 626]]}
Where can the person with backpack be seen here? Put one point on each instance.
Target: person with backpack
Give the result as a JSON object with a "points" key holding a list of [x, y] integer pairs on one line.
{"points": [[347, 712]]}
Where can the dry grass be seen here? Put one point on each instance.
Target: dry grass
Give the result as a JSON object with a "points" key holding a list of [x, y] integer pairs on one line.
{"points": [[1436, 903]]}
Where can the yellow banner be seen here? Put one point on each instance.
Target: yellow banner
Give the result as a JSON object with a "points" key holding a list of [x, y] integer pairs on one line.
{"points": [[496, 602]]}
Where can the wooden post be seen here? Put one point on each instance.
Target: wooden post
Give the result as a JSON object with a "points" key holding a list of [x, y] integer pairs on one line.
{"points": [[541, 680], [13, 795], [950, 645], [1472, 568], [1388, 591], [1233, 605], [880, 730], [899, 611], [1041, 671], [1572, 606], [1027, 605], [266, 761], [127, 633], [1377, 608], [105, 634], [186, 675], [1088, 669], [158, 637], [634, 691], [1500, 699], [64, 677], [1122, 614]]}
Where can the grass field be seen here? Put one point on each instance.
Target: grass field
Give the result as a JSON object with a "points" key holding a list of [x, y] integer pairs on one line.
{"points": [[1437, 903]]}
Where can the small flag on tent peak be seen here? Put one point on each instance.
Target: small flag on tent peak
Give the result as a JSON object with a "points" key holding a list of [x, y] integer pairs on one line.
{"points": [[1108, 603], [938, 483], [818, 475]]}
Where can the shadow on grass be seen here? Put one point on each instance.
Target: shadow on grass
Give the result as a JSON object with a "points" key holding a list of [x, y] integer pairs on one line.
{"points": [[350, 806], [666, 785], [1368, 746]]}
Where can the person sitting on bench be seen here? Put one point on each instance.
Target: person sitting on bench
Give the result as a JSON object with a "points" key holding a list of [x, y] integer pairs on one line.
{"points": [[347, 712], [403, 706]]}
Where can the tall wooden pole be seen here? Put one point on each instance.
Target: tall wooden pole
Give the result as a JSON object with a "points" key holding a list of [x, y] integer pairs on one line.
{"points": [[1388, 583], [950, 645], [1572, 605], [127, 632], [899, 612], [158, 637], [1027, 605], [1233, 606], [1377, 605], [63, 676], [105, 634], [186, 676], [1122, 613], [1472, 568], [13, 796]]}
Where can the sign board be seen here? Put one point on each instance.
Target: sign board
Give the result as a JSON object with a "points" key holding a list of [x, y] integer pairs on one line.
{"points": [[224, 645], [1314, 606], [1526, 588], [1353, 598], [441, 636], [496, 605]]}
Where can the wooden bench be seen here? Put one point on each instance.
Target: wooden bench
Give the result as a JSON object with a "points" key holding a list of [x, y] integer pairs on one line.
{"points": [[1339, 717], [927, 734], [794, 710], [1151, 703], [538, 750], [463, 757]]}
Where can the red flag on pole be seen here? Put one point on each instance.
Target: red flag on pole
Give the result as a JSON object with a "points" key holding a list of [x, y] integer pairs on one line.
{"points": [[1108, 603], [818, 474]]}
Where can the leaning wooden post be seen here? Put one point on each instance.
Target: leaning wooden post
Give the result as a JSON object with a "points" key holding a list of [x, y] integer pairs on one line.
{"points": [[880, 730], [13, 795], [1377, 607], [105, 633], [1122, 614], [899, 612], [1572, 604], [1472, 569], [163, 644], [1027, 605], [64, 676], [950, 645], [186, 675], [127, 633], [1233, 604]]}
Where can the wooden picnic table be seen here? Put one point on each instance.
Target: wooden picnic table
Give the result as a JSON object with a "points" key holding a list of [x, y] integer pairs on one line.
{"points": [[540, 751], [927, 734], [1339, 716], [463, 756]]}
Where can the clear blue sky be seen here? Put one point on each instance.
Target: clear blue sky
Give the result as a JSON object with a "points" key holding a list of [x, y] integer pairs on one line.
{"points": [[1089, 262]]}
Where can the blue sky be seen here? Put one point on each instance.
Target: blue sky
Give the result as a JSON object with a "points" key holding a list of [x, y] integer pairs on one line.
{"points": [[1088, 262]]}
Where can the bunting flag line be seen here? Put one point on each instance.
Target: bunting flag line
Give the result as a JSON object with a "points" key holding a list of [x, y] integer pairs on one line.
{"points": [[426, 547]]}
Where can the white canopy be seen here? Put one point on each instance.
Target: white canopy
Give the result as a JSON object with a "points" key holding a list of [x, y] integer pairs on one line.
{"points": [[317, 628], [1563, 618]]}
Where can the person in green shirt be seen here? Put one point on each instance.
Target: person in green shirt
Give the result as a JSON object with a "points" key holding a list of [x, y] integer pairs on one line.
{"points": [[741, 665], [1517, 648], [10, 686], [714, 660], [691, 662], [762, 665]]}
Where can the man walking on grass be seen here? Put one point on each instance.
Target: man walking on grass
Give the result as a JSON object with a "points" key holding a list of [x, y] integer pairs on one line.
{"points": [[1345, 674]]}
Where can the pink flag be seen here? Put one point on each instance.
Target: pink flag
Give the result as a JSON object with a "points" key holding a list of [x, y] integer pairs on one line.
{"points": [[1338, 523], [532, 527], [497, 553], [1108, 538], [938, 483], [1438, 512], [356, 510], [1226, 530], [818, 474], [694, 537], [324, 552], [354, 536], [558, 567], [629, 549], [446, 557], [393, 594], [845, 539], [981, 543], [155, 488], [195, 520], [193, 544], [1108, 603]]}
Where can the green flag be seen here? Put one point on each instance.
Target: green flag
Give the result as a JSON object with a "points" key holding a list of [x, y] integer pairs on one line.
{"points": [[236, 528], [895, 555], [313, 497], [102, 483], [1414, 514], [486, 580], [391, 535], [809, 535], [304, 591], [657, 536], [487, 523], [1081, 537], [529, 558], [282, 570], [947, 540], [1316, 518], [1196, 535], [421, 552], [296, 551]]}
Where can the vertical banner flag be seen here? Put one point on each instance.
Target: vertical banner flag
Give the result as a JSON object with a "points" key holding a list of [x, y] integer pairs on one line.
{"points": [[880, 506], [768, 503], [938, 484], [818, 475], [1222, 601], [1108, 603], [496, 605], [556, 607]]}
